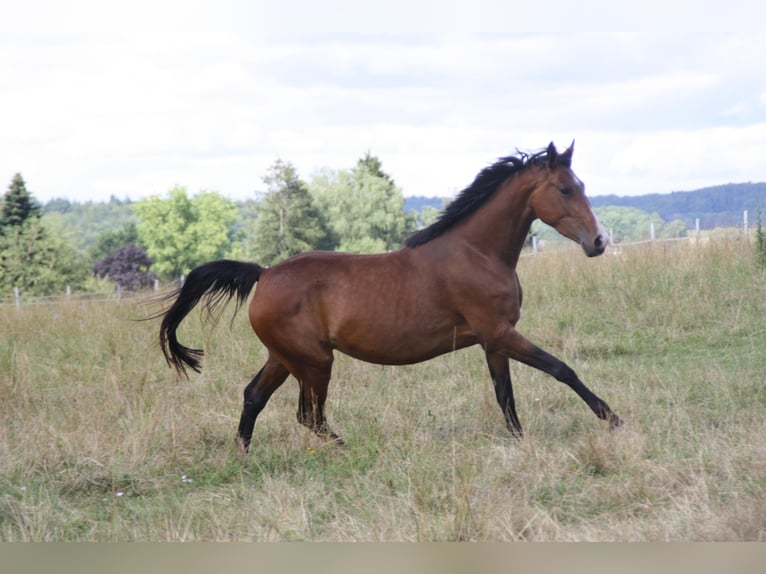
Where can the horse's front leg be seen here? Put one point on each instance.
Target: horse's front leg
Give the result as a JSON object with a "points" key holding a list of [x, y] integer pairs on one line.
{"points": [[513, 344]]}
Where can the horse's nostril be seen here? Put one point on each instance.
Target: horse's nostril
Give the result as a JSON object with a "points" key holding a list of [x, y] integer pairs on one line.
{"points": [[600, 243]]}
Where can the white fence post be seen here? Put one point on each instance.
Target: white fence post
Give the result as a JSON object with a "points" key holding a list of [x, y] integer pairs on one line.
{"points": [[651, 231], [744, 224], [534, 245], [17, 297]]}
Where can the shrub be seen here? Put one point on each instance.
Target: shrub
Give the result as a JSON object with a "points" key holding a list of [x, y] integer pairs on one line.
{"points": [[128, 267]]}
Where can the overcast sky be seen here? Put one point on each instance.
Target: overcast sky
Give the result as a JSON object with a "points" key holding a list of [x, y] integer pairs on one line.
{"points": [[131, 98]]}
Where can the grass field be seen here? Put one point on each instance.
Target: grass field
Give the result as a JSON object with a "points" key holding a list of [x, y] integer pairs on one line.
{"points": [[100, 441]]}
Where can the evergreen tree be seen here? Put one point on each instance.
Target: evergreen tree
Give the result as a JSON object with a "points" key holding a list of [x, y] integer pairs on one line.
{"points": [[18, 205], [31, 259], [37, 262], [365, 207], [288, 221], [372, 165]]}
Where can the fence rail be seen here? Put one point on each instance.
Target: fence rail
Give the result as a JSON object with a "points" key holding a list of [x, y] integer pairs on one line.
{"points": [[22, 300], [742, 226], [19, 299]]}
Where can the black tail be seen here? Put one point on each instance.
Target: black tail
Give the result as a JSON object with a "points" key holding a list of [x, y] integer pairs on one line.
{"points": [[217, 282]]}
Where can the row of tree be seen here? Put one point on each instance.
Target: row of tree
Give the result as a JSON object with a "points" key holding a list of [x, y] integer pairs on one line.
{"points": [[44, 249], [360, 210], [708, 204]]}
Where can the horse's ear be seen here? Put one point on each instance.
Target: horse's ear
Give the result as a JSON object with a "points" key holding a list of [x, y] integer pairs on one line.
{"points": [[553, 156], [565, 158]]}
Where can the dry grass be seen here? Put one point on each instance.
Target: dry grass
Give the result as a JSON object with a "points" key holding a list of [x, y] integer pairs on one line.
{"points": [[100, 441]]}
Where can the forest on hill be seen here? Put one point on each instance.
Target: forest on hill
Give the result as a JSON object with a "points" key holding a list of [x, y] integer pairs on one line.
{"points": [[630, 218], [711, 205]]}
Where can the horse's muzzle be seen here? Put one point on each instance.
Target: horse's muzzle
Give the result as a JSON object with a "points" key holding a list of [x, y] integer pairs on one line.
{"points": [[596, 247]]}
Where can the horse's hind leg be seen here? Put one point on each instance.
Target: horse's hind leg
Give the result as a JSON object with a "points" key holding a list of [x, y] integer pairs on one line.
{"points": [[501, 378], [257, 394], [313, 394]]}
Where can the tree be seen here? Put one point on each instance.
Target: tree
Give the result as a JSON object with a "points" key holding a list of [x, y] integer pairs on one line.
{"points": [[179, 232], [85, 223], [111, 240], [629, 223], [675, 228], [32, 259], [57, 205], [18, 205], [364, 206], [38, 263], [426, 216], [287, 219], [128, 267]]}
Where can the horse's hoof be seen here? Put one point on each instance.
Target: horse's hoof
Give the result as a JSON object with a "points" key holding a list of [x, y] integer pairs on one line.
{"points": [[615, 422], [337, 440], [244, 445]]}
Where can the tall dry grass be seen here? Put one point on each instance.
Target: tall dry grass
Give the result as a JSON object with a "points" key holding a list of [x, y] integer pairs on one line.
{"points": [[99, 440]]}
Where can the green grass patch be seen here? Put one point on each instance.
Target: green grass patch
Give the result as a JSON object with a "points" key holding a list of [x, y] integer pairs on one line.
{"points": [[100, 441]]}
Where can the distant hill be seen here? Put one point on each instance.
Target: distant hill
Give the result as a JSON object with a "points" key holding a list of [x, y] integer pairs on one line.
{"points": [[714, 206], [709, 204], [418, 202]]}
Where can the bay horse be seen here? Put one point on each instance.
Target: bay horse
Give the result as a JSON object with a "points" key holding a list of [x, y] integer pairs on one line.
{"points": [[452, 285]]}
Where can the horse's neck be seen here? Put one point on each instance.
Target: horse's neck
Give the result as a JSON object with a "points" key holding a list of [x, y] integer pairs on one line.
{"points": [[500, 227]]}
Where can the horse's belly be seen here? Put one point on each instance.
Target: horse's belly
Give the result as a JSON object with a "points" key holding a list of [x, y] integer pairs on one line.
{"points": [[376, 308], [399, 345]]}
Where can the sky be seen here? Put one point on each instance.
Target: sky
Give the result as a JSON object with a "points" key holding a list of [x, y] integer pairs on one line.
{"points": [[129, 99]]}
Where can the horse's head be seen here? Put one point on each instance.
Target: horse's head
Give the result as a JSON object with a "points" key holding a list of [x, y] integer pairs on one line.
{"points": [[559, 200]]}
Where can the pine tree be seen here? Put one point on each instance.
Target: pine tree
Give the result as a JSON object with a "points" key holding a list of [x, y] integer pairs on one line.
{"points": [[18, 205], [37, 262], [364, 206], [288, 222], [372, 165]]}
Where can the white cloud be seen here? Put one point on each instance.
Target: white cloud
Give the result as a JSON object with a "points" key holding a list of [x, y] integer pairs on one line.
{"points": [[96, 102]]}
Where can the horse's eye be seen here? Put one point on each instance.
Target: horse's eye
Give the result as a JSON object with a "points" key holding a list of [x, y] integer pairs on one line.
{"points": [[565, 191]]}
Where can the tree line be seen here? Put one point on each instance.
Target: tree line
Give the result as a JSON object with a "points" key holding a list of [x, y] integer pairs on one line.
{"points": [[708, 204], [94, 246]]}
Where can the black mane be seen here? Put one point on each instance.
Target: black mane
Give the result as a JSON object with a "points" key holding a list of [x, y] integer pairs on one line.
{"points": [[475, 195]]}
